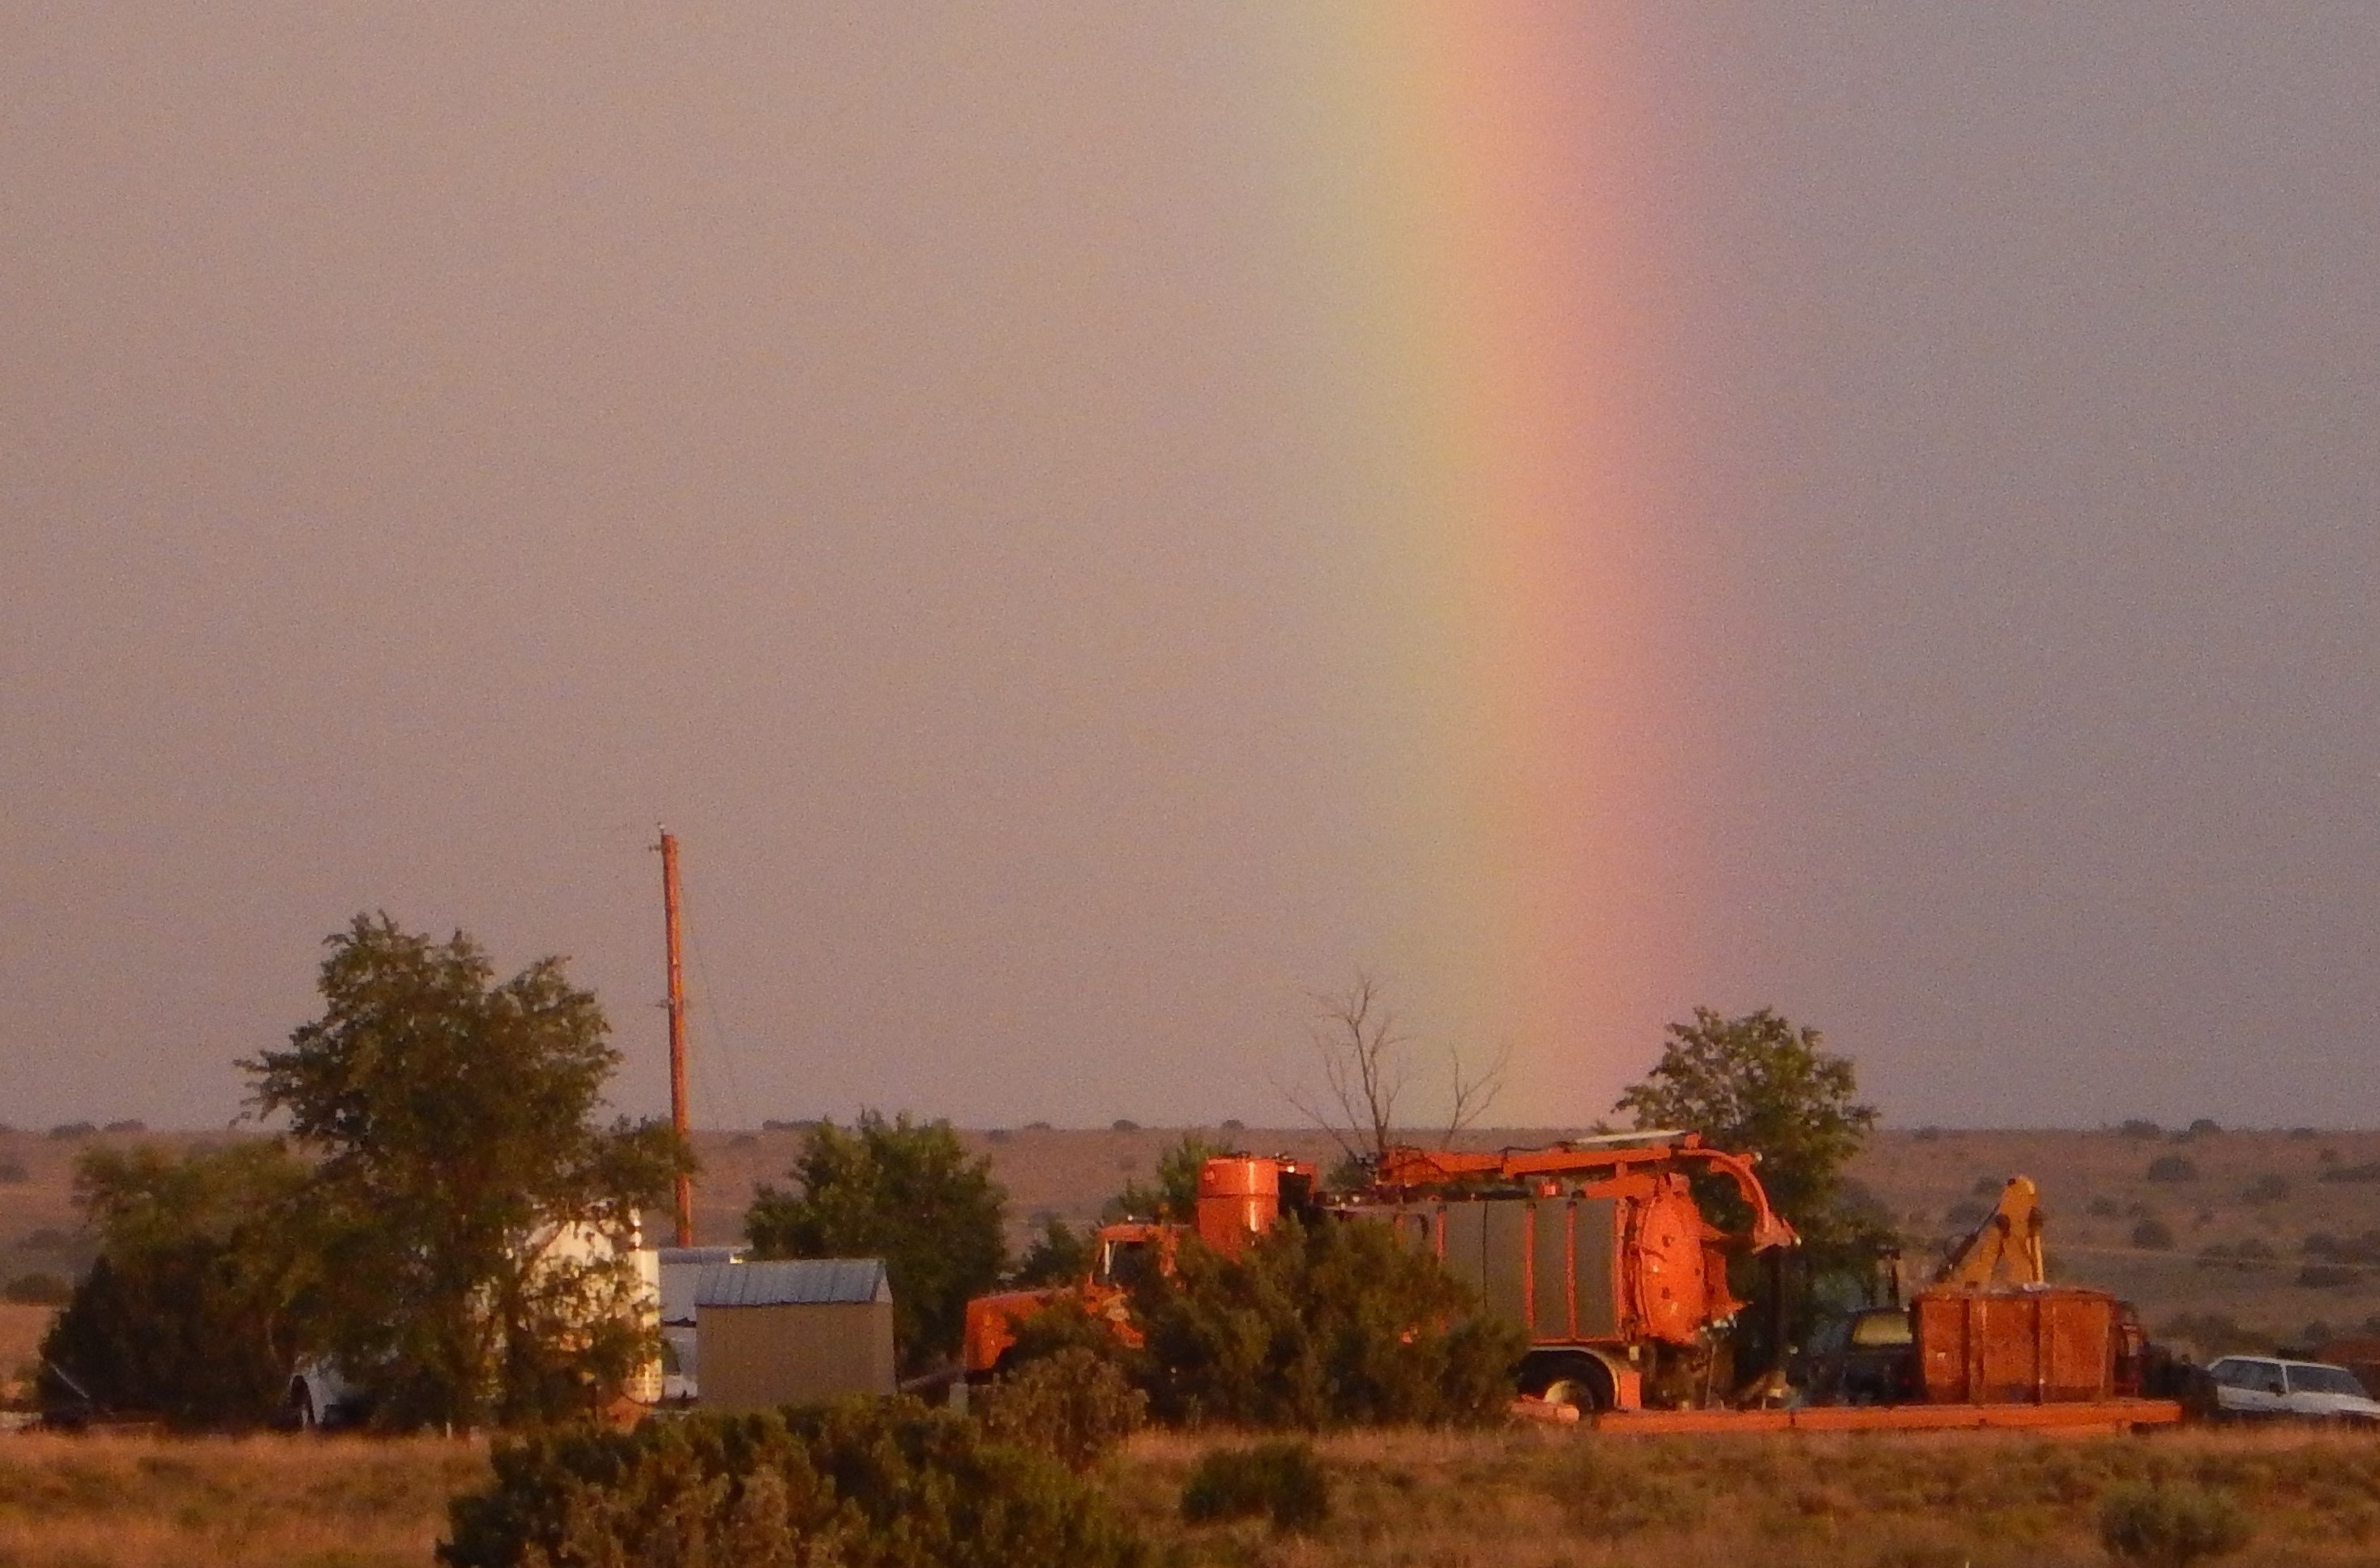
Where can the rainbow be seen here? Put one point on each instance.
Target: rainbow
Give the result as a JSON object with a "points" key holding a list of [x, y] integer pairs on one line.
{"points": [[1462, 236]]}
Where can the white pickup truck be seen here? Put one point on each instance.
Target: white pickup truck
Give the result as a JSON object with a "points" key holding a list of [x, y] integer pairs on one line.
{"points": [[2261, 1387]]}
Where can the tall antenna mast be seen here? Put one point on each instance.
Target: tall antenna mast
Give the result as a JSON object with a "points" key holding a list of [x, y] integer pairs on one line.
{"points": [[676, 1030]]}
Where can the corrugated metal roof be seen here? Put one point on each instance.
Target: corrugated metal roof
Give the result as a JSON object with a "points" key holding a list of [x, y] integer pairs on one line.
{"points": [[805, 1282]]}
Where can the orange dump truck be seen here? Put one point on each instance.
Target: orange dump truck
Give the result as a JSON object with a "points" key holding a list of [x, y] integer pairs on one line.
{"points": [[1597, 1247], [1599, 1251], [1239, 1197]]}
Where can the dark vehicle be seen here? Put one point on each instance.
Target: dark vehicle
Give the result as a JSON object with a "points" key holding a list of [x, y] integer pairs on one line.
{"points": [[1867, 1357]]}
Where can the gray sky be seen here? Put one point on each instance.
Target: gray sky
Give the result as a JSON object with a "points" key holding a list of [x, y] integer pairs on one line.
{"points": [[435, 442]]}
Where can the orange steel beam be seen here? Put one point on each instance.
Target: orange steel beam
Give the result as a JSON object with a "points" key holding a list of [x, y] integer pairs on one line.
{"points": [[1404, 1167], [676, 1030]]}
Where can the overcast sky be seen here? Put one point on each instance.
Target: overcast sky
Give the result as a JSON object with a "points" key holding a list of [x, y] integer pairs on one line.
{"points": [[437, 443]]}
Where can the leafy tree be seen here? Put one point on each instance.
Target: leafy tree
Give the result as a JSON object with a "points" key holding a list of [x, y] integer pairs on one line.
{"points": [[1060, 1255], [207, 1291], [1334, 1324], [903, 1192], [1761, 1085], [458, 1113], [1175, 1196]]}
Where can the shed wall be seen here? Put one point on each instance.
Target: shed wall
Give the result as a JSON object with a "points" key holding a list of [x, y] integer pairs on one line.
{"points": [[759, 1357]]}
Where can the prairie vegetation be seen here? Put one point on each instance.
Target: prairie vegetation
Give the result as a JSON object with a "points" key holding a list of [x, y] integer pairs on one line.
{"points": [[122, 1502], [1511, 1498], [1536, 1497]]}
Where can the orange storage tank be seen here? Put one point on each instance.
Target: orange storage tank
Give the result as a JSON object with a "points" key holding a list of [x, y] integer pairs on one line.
{"points": [[2026, 1347], [1239, 1197]]}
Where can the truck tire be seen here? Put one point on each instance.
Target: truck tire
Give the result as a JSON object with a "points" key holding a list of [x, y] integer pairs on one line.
{"points": [[1574, 1378]]}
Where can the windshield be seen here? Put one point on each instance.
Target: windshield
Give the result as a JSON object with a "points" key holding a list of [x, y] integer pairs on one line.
{"points": [[2323, 1380], [2262, 1376], [1127, 1262], [1870, 1330]]}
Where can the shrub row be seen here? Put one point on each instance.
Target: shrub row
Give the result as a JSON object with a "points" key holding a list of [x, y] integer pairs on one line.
{"points": [[887, 1484]]}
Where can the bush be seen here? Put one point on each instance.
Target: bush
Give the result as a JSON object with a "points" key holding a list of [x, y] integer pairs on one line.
{"points": [[1061, 1255], [13, 1172], [1073, 1405], [2104, 1207], [2326, 1276], [2270, 1188], [1124, 1125], [1335, 1324], [66, 1130], [2170, 1526], [2214, 1333], [2153, 1235], [1988, 1187], [2172, 1168], [128, 1124], [2365, 1173], [38, 1289], [2141, 1128], [2205, 1126], [880, 1484], [1282, 1479]]}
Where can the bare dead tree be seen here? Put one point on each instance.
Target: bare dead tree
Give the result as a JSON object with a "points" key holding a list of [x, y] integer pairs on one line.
{"points": [[1470, 1096], [1366, 1071]]}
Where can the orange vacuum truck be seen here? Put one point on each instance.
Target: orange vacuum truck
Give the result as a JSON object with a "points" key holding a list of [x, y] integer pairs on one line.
{"points": [[1599, 1250]]}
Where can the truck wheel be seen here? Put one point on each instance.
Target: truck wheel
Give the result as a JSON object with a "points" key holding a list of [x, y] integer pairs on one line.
{"points": [[1580, 1381]]}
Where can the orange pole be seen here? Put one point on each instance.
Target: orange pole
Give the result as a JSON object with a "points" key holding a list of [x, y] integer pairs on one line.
{"points": [[676, 1030]]}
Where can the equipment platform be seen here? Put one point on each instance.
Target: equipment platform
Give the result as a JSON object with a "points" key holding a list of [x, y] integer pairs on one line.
{"points": [[2079, 1418]]}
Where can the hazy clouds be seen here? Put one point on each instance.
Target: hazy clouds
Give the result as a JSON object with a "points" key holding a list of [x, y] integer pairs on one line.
{"points": [[436, 444]]}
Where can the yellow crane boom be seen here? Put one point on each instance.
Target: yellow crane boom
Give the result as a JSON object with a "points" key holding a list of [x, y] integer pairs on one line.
{"points": [[2005, 1249]]}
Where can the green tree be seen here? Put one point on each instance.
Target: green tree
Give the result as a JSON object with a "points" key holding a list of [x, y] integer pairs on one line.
{"points": [[903, 1192], [1334, 1324], [207, 1291], [1175, 1196], [1058, 1256], [459, 1114], [1761, 1085]]}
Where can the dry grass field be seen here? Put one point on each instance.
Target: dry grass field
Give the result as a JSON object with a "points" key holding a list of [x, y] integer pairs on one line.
{"points": [[1552, 1498], [1523, 1498], [116, 1501]]}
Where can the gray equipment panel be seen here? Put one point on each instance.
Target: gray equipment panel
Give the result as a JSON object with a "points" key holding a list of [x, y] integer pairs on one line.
{"points": [[1465, 1249], [1504, 1278], [1550, 1267], [1595, 1222]]}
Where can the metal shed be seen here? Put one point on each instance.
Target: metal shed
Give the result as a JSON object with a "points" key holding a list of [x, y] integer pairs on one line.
{"points": [[793, 1332]]}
